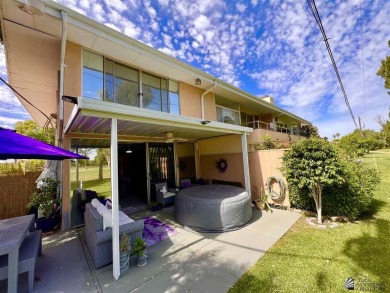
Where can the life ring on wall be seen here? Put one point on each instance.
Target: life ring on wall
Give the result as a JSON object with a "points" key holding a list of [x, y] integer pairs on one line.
{"points": [[279, 196]]}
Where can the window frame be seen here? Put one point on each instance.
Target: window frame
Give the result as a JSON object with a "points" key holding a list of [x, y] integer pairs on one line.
{"points": [[232, 110], [140, 83]]}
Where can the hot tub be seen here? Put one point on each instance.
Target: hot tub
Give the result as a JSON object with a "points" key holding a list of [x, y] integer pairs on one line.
{"points": [[213, 208]]}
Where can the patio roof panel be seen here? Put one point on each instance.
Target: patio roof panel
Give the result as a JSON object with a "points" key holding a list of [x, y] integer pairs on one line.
{"points": [[92, 119]]}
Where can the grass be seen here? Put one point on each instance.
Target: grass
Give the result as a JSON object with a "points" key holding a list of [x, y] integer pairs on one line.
{"points": [[90, 180], [307, 259]]}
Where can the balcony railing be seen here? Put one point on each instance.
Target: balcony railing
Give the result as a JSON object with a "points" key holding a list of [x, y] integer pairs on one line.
{"points": [[271, 126]]}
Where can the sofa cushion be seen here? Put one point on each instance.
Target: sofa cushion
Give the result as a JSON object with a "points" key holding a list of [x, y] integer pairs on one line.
{"points": [[95, 203], [102, 209], [124, 219], [107, 219], [168, 194]]}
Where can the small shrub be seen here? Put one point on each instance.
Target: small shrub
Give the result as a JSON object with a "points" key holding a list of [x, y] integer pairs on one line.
{"points": [[352, 198], [124, 242], [266, 143], [43, 198], [139, 247]]}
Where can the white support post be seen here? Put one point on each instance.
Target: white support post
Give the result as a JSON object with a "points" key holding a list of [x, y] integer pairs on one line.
{"points": [[148, 172], [176, 163], [114, 197], [246, 163], [197, 160]]}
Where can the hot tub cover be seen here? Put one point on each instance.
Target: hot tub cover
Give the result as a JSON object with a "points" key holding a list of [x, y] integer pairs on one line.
{"points": [[213, 208]]}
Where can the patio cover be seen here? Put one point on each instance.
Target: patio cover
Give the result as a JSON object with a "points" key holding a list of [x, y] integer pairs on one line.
{"points": [[17, 146]]}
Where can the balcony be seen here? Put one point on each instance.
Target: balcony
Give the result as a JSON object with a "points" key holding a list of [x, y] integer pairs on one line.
{"points": [[278, 133]]}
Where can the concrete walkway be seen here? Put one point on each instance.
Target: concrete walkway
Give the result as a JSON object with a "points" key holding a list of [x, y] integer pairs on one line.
{"points": [[187, 262]]}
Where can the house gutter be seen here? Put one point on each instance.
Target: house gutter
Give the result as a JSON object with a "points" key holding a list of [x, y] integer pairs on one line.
{"points": [[205, 93]]}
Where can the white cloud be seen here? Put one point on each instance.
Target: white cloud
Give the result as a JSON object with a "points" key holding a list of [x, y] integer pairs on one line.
{"points": [[201, 22], [116, 5], [241, 7]]}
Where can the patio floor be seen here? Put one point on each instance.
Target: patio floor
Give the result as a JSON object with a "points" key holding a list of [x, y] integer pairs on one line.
{"points": [[189, 261]]}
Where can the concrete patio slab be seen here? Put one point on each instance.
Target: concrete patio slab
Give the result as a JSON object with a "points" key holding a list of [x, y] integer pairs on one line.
{"points": [[187, 262], [62, 267]]}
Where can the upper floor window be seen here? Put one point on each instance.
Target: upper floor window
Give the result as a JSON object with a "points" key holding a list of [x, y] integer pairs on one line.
{"points": [[227, 115], [154, 92], [104, 79], [120, 84], [92, 76], [174, 102]]}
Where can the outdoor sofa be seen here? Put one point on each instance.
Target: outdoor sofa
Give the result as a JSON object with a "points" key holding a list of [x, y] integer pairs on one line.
{"points": [[99, 241]]}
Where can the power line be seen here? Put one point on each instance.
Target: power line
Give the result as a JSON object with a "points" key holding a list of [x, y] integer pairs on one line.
{"points": [[49, 119], [364, 78], [316, 15]]}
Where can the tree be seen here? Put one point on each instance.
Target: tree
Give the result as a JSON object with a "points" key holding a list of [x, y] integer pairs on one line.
{"points": [[385, 131], [384, 70], [31, 129], [102, 157], [309, 131], [84, 152], [359, 142], [313, 163]]}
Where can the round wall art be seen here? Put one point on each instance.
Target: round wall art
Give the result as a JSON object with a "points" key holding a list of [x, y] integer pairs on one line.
{"points": [[221, 165]]}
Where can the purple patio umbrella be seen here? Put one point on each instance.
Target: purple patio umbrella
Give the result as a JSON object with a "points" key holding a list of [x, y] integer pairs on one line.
{"points": [[17, 146]]}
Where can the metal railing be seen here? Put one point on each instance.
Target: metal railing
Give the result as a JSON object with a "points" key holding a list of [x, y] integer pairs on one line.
{"points": [[270, 126]]}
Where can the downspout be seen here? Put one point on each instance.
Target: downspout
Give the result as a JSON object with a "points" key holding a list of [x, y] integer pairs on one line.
{"points": [[205, 93], [61, 85], [60, 121]]}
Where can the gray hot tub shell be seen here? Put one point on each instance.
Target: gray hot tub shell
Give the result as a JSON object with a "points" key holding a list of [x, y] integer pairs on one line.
{"points": [[213, 208]]}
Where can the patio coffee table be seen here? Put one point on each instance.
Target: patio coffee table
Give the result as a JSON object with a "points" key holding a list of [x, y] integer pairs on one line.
{"points": [[12, 233]]}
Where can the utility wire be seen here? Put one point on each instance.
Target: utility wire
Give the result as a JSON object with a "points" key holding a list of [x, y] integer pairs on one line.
{"points": [[364, 78], [49, 120], [316, 15]]}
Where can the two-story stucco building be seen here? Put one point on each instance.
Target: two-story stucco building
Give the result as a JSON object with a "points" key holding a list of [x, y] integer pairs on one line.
{"points": [[105, 89]]}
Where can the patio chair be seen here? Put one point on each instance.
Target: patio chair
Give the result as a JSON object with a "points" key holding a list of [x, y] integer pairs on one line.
{"points": [[163, 196], [184, 183]]}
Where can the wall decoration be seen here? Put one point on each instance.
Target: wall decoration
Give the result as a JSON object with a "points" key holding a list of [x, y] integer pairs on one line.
{"points": [[221, 165]]}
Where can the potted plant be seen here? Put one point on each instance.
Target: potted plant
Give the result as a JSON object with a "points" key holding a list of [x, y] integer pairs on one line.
{"points": [[43, 199], [124, 248], [140, 250], [261, 202]]}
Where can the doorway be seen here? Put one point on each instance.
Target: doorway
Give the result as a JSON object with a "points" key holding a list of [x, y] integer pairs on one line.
{"points": [[132, 178], [162, 166]]}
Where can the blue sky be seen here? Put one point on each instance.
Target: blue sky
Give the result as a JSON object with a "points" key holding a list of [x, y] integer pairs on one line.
{"points": [[263, 47]]}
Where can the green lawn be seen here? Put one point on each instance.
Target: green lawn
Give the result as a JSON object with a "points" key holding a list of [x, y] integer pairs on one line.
{"points": [[307, 259], [90, 180]]}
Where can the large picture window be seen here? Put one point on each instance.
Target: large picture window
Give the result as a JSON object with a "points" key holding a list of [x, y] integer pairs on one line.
{"points": [[228, 116], [154, 92], [121, 84], [104, 79]]}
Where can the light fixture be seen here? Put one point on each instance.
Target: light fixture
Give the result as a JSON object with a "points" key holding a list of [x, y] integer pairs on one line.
{"points": [[198, 81], [204, 122], [129, 151], [70, 99]]}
